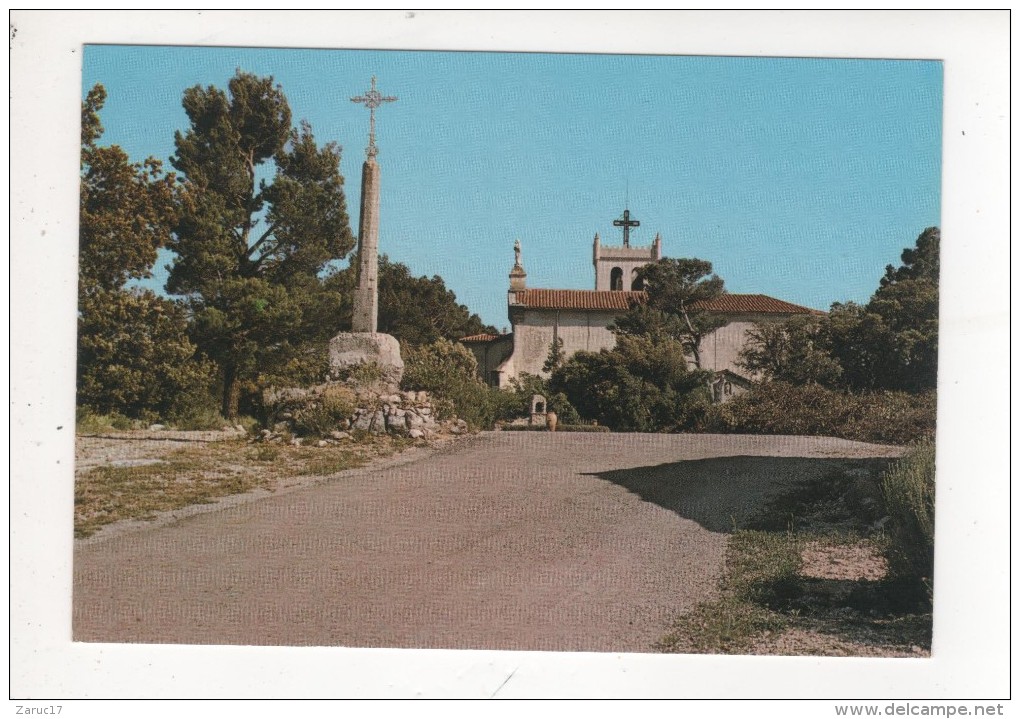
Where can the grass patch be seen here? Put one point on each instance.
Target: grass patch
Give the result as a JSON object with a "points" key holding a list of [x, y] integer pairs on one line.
{"points": [[204, 472], [326, 461], [909, 490], [727, 626], [182, 478], [755, 562], [766, 591]]}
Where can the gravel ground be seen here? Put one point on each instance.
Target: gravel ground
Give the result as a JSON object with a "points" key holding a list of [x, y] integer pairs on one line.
{"points": [[861, 561], [137, 447], [530, 541]]}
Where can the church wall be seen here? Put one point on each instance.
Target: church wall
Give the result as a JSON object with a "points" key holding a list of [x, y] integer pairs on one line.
{"points": [[534, 330], [721, 349], [579, 329], [490, 355]]}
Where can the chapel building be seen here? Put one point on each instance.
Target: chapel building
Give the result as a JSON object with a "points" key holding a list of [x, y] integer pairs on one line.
{"points": [[581, 319]]}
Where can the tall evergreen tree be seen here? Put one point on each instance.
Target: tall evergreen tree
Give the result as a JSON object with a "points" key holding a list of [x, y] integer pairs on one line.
{"points": [[675, 287], [417, 310], [134, 355], [249, 251], [126, 209], [892, 342]]}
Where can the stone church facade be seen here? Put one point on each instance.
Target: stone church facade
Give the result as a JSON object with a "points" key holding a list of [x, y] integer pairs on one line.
{"points": [[581, 319]]}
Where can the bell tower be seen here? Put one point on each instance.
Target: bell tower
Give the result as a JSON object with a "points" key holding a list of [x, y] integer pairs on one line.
{"points": [[616, 266]]}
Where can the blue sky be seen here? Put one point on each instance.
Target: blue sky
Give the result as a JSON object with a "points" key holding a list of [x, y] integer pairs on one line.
{"points": [[797, 178]]}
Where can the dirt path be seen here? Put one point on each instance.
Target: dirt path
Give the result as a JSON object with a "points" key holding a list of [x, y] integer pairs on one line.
{"points": [[507, 541]]}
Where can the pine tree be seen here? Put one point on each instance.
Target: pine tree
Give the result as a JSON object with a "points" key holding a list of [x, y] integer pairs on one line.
{"points": [[249, 251]]}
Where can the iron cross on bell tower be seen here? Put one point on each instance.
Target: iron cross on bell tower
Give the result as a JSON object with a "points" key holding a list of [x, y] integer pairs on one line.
{"points": [[626, 223], [372, 99]]}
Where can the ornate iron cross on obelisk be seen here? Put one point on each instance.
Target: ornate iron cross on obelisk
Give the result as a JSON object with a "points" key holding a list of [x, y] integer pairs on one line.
{"points": [[626, 223], [372, 99]]}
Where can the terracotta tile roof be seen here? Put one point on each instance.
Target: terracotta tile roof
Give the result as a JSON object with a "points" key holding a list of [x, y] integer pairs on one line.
{"points": [[577, 299], [755, 303], [606, 300], [481, 338]]}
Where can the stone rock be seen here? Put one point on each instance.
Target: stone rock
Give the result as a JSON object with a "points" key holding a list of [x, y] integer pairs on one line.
{"points": [[424, 411], [240, 428], [297, 441], [416, 433], [414, 421], [363, 422], [409, 396], [274, 395], [349, 350], [322, 443], [157, 427], [396, 423], [340, 435], [422, 397], [378, 423]]}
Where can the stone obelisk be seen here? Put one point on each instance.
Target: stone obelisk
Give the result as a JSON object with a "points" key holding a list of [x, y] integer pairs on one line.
{"points": [[365, 345], [366, 297]]}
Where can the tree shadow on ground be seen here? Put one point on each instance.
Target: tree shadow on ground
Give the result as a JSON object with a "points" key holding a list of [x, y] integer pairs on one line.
{"points": [[726, 494]]}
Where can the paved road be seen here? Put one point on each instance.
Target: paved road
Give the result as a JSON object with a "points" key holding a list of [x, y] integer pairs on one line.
{"points": [[529, 541]]}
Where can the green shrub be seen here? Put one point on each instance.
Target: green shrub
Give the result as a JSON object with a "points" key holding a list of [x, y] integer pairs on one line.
{"points": [[909, 489], [89, 422], [294, 366], [781, 408], [326, 414], [135, 357], [898, 417], [364, 374], [449, 372], [204, 419], [642, 385], [517, 402]]}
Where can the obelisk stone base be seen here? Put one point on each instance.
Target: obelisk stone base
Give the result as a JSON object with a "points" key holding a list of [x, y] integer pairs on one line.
{"points": [[367, 359]]}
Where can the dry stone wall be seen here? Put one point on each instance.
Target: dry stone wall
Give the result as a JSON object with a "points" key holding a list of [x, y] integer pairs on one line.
{"points": [[332, 413]]}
